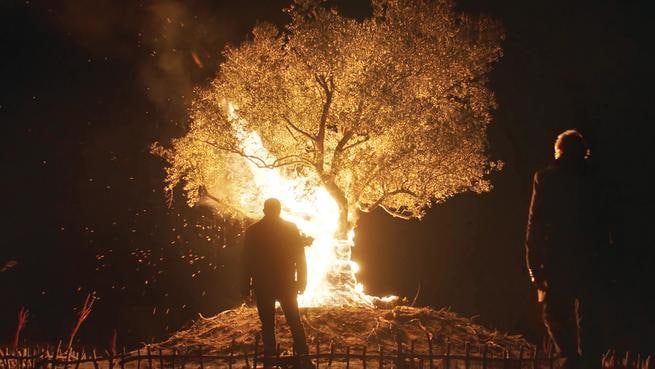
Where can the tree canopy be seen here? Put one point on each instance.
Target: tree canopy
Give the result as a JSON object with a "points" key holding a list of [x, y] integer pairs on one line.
{"points": [[390, 111]]}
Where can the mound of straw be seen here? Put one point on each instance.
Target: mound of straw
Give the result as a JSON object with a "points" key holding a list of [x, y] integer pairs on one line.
{"points": [[353, 327]]}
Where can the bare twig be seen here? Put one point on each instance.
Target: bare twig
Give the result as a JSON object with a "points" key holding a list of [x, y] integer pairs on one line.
{"points": [[84, 312], [23, 314]]}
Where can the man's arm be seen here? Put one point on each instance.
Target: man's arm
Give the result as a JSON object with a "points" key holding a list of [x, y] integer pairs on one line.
{"points": [[301, 261], [536, 234]]}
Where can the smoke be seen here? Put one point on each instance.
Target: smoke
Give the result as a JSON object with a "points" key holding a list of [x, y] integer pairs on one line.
{"points": [[171, 45], [183, 50]]}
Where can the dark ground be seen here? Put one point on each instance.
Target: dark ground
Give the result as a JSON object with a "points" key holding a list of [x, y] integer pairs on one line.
{"points": [[87, 86]]}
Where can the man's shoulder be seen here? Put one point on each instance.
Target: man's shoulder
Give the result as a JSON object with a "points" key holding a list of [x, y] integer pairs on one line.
{"points": [[263, 224], [289, 225], [546, 173], [254, 227]]}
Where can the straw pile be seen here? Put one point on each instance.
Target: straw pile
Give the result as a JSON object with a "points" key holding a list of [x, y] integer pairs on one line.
{"points": [[353, 327]]}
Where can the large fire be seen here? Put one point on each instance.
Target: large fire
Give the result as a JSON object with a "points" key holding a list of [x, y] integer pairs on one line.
{"points": [[331, 278]]}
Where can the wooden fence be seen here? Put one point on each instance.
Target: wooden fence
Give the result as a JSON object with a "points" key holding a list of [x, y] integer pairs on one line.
{"points": [[349, 357]]}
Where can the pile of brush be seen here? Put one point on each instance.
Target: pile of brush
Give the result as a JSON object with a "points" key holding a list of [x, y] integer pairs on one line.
{"points": [[352, 327]]}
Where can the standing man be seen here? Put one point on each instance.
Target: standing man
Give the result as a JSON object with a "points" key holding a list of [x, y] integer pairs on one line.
{"points": [[276, 270], [564, 238]]}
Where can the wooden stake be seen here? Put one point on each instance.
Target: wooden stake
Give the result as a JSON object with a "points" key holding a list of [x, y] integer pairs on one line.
{"points": [[79, 360], [381, 357], [149, 353], [56, 355], [6, 354], [40, 358], [430, 353], [347, 357], [94, 358], [2, 357], [229, 360], [535, 360], [25, 353], [110, 359], [138, 358], [331, 354], [123, 354], [68, 355], [447, 358], [19, 358], [399, 352], [411, 354], [364, 357], [254, 359]]}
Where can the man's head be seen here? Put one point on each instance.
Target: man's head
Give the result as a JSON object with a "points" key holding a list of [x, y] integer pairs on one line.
{"points": [[570, 145], [272, 207]]}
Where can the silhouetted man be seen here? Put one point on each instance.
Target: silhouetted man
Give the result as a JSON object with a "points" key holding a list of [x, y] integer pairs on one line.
{"points": [[275, 269], [564, 237]]}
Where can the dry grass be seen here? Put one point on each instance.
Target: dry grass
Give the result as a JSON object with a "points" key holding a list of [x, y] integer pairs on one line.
{"points": [[353, 327]]}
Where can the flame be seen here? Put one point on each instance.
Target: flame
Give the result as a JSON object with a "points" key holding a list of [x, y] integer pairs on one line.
{"points": [[331, 274]]}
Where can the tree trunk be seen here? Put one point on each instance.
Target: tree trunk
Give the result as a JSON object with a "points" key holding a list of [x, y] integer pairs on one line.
{"points": [[342, 202]]}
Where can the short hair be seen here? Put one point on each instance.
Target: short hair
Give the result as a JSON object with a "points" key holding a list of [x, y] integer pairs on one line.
{"points": [[272, 207], [570, 144]]}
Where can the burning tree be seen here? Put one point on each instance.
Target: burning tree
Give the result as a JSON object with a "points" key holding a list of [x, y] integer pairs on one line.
{"points": [[387, 112]]}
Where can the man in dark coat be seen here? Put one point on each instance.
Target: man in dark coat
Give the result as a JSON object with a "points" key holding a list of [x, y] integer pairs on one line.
{"points": [[276, 270], [565, 234]]}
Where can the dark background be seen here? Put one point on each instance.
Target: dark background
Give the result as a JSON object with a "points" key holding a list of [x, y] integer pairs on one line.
{"points": [[87, 86]]}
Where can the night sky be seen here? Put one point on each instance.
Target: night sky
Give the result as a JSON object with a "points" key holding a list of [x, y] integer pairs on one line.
{"points": [[87, 86]]}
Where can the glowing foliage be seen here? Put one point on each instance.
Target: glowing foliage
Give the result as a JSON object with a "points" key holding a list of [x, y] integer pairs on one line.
{"points": [[389, 111]]}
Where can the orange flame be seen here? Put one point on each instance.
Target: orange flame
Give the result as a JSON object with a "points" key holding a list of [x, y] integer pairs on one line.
{"points": [[331, 278]]}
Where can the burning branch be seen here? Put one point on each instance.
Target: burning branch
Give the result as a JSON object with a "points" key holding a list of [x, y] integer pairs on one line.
{"points": [[84, 312], [23, 314]]}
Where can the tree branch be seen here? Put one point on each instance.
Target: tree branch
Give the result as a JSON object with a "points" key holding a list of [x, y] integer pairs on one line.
{"points": [[259, 162], [320, 136], [366, 138], [204, 192], [397, 213], [302, 132], [342, 142], [386, 195]]}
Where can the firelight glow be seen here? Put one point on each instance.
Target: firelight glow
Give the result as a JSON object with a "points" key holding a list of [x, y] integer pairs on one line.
{"points": [[331, 278]]}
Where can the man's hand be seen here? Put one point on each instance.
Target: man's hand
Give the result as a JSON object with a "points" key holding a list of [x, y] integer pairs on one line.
{"points": [[540, 284], [306, 240]]}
